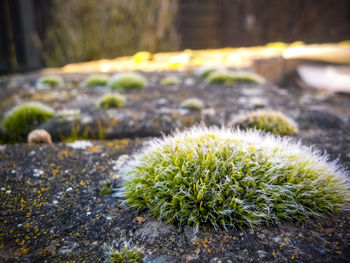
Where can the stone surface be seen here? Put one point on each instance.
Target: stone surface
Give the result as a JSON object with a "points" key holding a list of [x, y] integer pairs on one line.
{"points": [[50, 209]]}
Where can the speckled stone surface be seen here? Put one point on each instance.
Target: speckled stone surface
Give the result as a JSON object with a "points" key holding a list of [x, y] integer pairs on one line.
{"points": [[52, 209]]}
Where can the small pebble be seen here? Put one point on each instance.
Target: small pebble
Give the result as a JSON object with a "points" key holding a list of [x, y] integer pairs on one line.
{"points": [[39, 136]]}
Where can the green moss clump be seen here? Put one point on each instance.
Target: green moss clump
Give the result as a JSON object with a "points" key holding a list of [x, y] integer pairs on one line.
{"points": [[169, 81], [19, 121], [192, 104], [231, 78], [126, 255], [268, 121], [95, 80], [50, 81], [112, 101], [204, 72], [106, 190], [231, 178], [127, 81]]}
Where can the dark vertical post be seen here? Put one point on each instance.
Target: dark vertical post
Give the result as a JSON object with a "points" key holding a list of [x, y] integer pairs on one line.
{"points": [[31, 53], [9, 35]]}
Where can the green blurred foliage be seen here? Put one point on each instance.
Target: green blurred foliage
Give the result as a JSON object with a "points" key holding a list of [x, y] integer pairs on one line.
{"points": [[83, 30]]}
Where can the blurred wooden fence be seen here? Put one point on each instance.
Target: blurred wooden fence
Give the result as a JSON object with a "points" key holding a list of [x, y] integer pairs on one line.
{"points": [[200, 24]]}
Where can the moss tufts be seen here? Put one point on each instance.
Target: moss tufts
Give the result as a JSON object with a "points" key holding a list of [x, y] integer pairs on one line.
{"points": [[171, 80], [231, 178], [95, 80], [126, 255], [204, 72], [127, 81], [112, 101], [50, 81], [192, 104], [19, 121], [268, 121], [106, 190], [231, 78]]}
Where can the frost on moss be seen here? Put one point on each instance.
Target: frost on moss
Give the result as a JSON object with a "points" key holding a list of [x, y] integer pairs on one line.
{"points": [[127, 81], [192, 104], [19, 121], [126, 255], [111, 100], [231, 78], [50, 81], [170, 80], [232, 178], [95, 80], [268, 121]]}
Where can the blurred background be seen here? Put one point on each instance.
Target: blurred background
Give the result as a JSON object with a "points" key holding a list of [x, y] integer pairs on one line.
{"points": [[50, 33]]}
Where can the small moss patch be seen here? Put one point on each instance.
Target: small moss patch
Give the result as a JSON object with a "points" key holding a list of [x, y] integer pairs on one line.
{"points": [[95, 80], [51, 81], [126, 255], [268, 121], [231, 78], [231, 178], [19, 121], [204, 72], [192, 104], [106, 190], [127, 81], [171, 80], [112, 101]]}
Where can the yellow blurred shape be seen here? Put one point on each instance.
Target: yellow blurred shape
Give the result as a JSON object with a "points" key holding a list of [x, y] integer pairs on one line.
{"points": [[142, 56], [225, 57]]}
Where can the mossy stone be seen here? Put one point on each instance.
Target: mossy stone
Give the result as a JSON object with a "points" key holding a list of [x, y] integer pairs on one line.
{"points": [[127, 82], [22, 119], [234, 179]]}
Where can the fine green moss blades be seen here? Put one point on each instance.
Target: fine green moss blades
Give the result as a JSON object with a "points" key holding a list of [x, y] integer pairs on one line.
{"points": [[232, 179]]}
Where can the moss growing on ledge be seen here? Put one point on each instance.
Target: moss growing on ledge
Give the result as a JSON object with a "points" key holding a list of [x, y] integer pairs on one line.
{"points": [[126, 255], [110, 100], [231, 78], [170, 80], [19, 121], [231, 178], [127, 81], [268, 121], [50, 81], [204, 72], [193, 104], [106, 190], [95, 80]]}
